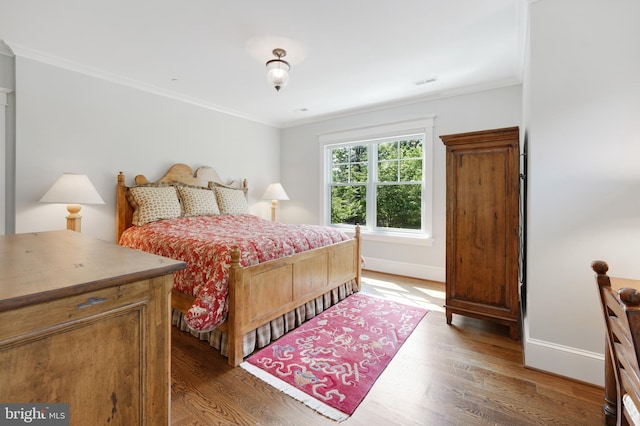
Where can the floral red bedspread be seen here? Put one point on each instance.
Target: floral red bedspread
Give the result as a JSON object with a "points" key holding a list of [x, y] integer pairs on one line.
{"points": [[205, 244]]}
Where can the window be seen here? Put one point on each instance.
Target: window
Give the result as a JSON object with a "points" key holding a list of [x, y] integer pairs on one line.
{"points": [[390, 171], [381, 182]]}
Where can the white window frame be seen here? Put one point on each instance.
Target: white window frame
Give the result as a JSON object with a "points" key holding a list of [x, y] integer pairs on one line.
{"points": [[379, 133]]}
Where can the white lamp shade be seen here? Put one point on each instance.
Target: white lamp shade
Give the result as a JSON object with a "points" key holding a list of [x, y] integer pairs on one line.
{"points": [[71, 188], [275, 191]]}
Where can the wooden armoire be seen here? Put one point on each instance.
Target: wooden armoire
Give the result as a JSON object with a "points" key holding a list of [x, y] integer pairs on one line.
{"points": [[482, 226]]}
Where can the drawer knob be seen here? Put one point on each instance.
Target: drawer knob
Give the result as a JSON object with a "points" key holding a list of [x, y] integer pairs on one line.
{"points": [[91, 301]]}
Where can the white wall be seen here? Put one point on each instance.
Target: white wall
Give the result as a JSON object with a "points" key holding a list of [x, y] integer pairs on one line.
{"points": [[582, 109], [71, 122], [301, 174]]}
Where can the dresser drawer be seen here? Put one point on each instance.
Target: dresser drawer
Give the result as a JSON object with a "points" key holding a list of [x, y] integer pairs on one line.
{"points": [[41, 318]]}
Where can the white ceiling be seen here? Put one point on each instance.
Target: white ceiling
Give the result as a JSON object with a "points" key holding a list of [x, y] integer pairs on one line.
{"points": [[346, 55]]}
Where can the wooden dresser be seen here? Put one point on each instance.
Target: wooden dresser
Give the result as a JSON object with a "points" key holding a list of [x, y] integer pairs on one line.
{"points": [[482, 226], [85, 322]]}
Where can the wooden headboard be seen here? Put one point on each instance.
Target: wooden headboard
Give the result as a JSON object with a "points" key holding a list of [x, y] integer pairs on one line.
{"points": [[178, 173]]}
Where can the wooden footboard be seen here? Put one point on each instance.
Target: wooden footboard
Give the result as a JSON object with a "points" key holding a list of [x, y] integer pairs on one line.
{"points": [[263, 292]]}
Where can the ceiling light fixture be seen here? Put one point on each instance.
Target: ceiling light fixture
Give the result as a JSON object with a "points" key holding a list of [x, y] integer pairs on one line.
{"points": [[278, 70]]}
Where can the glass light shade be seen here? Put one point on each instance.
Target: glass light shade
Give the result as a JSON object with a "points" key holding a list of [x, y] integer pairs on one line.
{"points": [[275, 191], [71, 188], [278, 73]]}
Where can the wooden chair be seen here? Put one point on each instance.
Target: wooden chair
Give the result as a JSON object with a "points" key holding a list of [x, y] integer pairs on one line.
{"points": [[621, 309]]}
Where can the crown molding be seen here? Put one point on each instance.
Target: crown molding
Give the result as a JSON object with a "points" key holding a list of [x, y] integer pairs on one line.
{"points": [[5, 50], [459, 91], [39, 56]]}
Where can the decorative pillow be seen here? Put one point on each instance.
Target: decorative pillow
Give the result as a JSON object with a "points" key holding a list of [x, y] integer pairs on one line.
{"points": [[154, 203], [198, 201], [231, 201]]}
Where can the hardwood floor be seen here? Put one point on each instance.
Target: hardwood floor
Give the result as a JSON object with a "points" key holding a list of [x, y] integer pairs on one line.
{"points": [[469, 373]]}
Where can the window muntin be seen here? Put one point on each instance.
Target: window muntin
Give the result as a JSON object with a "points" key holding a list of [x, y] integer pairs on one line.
{"points": [[378, 184]]}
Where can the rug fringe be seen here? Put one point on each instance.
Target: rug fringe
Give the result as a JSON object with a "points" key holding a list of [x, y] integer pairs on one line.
{"points": [[290, 390]]}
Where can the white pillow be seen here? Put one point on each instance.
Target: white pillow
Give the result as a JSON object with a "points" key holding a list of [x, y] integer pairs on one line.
{"points": [[231, 201], [198, 201]]}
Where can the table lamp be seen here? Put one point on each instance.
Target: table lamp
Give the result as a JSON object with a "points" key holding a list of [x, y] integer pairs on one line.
{"points": [[73, 189], [275, 192]]}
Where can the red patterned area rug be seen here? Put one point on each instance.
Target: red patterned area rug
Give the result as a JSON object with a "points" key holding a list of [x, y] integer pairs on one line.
{"points": [[331, 362]]}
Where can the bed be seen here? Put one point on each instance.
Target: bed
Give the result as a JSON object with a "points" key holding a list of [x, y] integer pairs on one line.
{"points": [[289, 279]]}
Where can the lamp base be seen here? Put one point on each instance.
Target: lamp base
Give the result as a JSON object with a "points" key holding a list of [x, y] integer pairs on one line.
{"points": [[274, 210], [74, 220]]}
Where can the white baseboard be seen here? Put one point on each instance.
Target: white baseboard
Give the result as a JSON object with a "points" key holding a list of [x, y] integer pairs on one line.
{"points": [[405, 269], [564, 361]]}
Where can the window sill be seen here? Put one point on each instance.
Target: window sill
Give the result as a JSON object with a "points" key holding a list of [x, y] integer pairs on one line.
{"points": [[414, 240]]}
